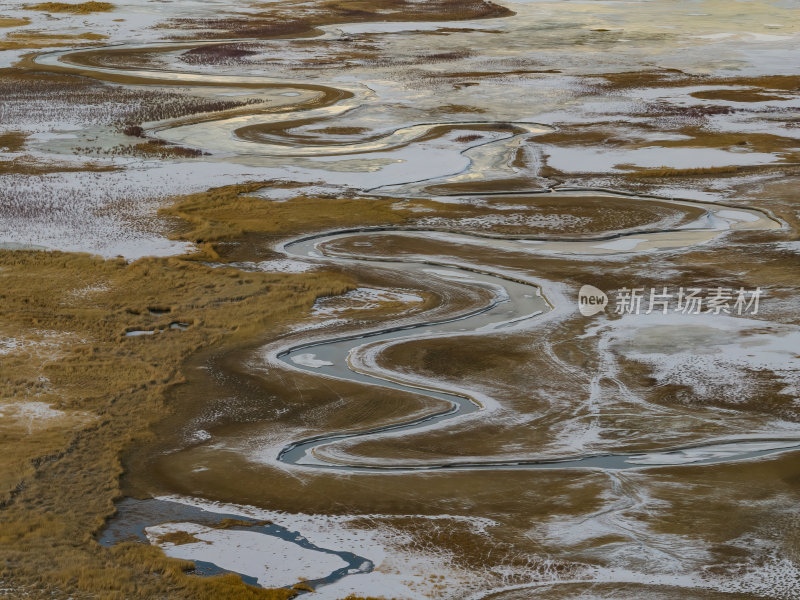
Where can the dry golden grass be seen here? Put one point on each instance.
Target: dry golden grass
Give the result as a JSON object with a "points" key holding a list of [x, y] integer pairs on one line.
{"points": [[229, 212], [734, 95], [637, 79], [664, 172], [27, 165], [13, 22], [67, 314], [178, 538], [162, 150], [677, 78], [21, 40], [38, 35], [590, 134], [454, 109], [60, 477], [82, 8], [607, 134], [786, 83], [229, 523], [753, 142], [340, 130], [486, 186], [12, 141], [152, 148]]}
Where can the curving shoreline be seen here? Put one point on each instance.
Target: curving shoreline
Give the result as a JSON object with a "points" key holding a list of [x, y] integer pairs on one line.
{"points": [[267, 132], [259, 131], [344, 350]]}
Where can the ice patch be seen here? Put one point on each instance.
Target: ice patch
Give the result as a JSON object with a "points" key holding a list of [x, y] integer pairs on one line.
{"points": [[363, 298], [139, 332], [710, 452], [738, 215], [508, 220], [627, 243], [284, 265], [604, 160], [309, 360], [201, 435], [458, 275], [400, 572], [790, 246], [272, 561], [716, 356], [35, 411]]}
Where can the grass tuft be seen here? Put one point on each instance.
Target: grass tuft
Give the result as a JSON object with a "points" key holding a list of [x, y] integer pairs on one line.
{"points": [[83, 8], [13, 22], [12, 141]]}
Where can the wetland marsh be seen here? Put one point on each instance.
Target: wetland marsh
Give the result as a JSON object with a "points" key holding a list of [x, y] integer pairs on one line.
{"points": [[291, 300]]}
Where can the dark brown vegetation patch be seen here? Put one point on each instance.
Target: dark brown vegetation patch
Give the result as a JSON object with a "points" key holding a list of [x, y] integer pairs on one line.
{"points": [[737, 95], [767, 84], [468, 138], [218, 54], [340, 130], [27, 96], [300, 18]]}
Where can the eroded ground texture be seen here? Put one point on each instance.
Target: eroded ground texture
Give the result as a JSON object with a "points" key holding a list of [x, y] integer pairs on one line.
{"points": [[290, 299]]}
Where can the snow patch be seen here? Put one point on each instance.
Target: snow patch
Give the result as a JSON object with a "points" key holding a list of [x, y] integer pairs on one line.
{"points": [[309, 360], [363, 298], [272, 561]]}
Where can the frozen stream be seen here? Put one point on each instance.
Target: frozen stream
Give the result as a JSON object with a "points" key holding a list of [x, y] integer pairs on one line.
{"points": [[266, 133], [272, 132], [514, 301]]}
